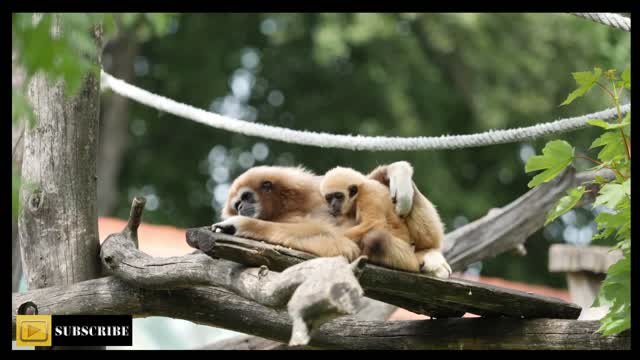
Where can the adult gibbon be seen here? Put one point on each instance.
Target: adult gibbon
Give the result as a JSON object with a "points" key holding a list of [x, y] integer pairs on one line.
{"points": [[284, 206]]}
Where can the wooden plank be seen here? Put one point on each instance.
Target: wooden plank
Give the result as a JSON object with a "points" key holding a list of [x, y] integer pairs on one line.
{"points": [[571, 258], [415, 292]]}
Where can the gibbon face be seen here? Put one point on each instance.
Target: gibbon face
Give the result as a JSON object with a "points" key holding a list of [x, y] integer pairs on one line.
{"points": [[341, 202], [340, 188], [266, 192]]}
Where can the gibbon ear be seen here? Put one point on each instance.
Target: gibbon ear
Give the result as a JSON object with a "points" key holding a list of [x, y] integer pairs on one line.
{"points": [[353, 190]]}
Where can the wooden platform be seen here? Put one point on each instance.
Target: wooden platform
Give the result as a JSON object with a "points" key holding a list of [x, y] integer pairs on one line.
{"points": [[415, 292]]}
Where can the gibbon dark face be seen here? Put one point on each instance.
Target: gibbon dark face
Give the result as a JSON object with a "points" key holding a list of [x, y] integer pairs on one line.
{"points": [[340, 202], [335, 201]]}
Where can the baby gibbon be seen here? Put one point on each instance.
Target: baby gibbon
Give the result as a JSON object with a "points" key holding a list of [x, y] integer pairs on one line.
{"points": [[380, 232]]}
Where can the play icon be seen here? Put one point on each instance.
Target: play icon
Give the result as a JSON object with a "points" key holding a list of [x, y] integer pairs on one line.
{"points": [[33, 330]]}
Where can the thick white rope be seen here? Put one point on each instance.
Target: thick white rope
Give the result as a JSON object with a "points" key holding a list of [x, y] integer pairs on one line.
{"points": [[350, 142], [614, 20]]}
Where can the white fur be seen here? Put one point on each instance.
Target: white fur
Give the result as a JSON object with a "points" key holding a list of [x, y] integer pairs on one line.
{"points": [[401, 186], [436, 265]]}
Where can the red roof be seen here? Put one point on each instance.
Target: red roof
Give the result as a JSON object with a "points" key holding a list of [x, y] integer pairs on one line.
{"points": [[162, 240]]}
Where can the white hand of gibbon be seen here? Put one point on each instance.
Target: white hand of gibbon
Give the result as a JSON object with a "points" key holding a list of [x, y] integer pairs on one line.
{"points": [[434, 264], [229, 226], [401, 187]]}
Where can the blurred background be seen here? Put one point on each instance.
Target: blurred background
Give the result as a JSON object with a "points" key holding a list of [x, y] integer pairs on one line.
{"points": [[370, 74]]}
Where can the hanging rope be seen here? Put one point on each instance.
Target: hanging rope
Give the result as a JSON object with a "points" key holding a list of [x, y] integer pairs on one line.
{"points": [[351, 142], [611, 19]]}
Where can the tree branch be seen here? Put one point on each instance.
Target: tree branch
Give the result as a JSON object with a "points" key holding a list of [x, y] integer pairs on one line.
{"points": [[415, 292], [313, 292], [214, 306], [509, 227]]}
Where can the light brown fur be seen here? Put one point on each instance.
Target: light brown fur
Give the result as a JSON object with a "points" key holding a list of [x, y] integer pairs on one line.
{"points": [[293, 212], [381, 234]]}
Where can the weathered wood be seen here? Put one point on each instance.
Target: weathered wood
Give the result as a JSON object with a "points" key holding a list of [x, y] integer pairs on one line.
{"points": [[371, 311], [250, 342], [314, 291], [214, 306], [415, 292], [571, 258], [584, 287], [509, 227]]}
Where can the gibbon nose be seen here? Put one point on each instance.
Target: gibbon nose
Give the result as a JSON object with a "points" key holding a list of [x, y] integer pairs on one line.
{"points": [[247, 196]]}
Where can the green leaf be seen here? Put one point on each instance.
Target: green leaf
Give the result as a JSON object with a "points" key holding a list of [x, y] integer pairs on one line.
{"points": [[626, 78], [586, 80], [613, 146], [616, 326], [565, 204], [556, 156], [600, 180], [607, 126], [626, 186], [610, 195]]}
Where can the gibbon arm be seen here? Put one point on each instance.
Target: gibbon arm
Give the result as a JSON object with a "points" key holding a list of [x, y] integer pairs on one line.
{"points": [[305, 235]]}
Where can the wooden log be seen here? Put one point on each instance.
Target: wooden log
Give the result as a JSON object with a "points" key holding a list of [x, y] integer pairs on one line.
{"points": [[372, 310], [214, 306], [415, 292]]}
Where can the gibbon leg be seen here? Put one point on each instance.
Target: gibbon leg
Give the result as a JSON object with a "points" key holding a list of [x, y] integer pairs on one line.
{"points": [[384, 249]]}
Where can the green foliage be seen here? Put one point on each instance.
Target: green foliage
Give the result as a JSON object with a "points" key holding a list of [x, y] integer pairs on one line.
{"points": [[556, 156], [566, 203], [586, 80], [63, 47], [612, 148], [613, 195], [60, 45]]}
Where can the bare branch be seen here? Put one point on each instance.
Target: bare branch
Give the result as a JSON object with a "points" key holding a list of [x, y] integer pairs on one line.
{"points": [[508, 228]]}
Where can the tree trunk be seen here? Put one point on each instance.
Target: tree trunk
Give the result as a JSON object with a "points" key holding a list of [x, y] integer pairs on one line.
{"points": [[58, 224], [114, 135]]}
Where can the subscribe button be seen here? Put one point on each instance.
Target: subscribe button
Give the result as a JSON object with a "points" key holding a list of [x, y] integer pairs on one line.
{"points": [[73, 330]]}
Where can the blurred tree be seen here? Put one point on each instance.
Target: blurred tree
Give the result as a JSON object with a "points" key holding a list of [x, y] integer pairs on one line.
{"points": [[120, 54], [370, 74]]}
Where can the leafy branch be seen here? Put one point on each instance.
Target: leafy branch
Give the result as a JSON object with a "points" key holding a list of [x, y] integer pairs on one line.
{"points": [[615, 195]]}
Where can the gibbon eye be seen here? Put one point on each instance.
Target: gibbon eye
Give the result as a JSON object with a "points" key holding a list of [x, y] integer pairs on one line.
{"points": [[266, 185], [353, 190]]}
